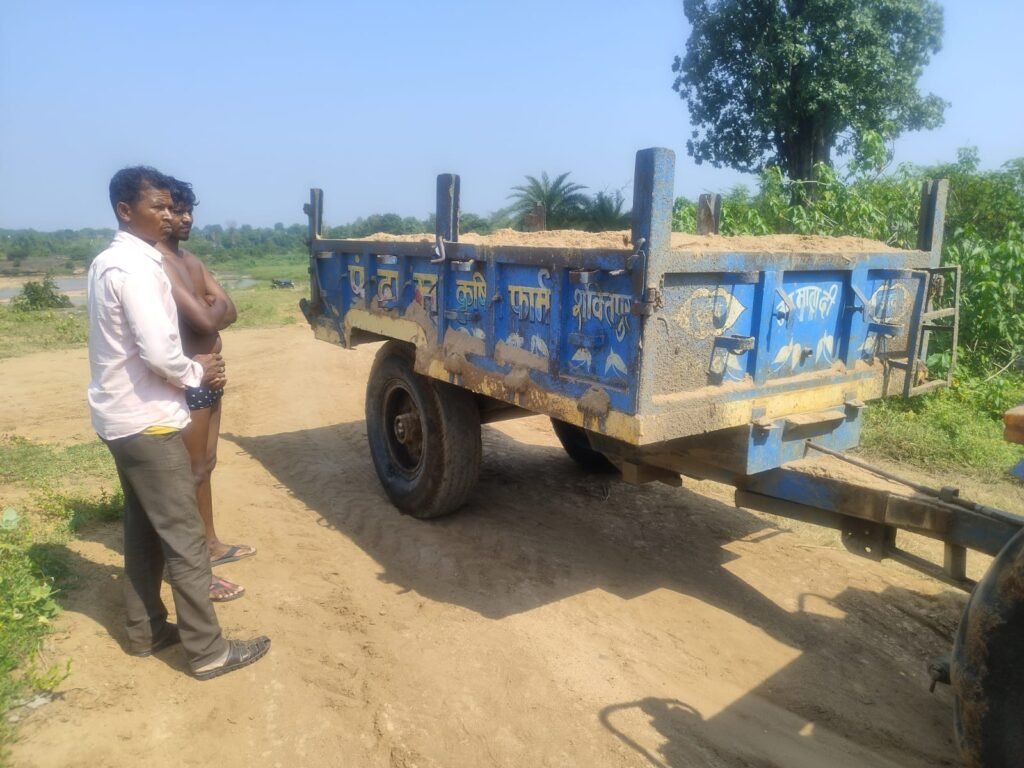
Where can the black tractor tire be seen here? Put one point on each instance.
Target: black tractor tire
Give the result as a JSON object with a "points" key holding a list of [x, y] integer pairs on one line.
{"points": [[574, 440], [987, 667], [424, 435]]}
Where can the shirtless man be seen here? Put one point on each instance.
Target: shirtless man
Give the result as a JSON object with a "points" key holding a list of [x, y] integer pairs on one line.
{"points": [[204, 309]]}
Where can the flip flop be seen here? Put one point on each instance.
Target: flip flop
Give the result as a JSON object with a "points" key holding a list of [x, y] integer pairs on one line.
{"points": [[234, 554], [225, 584]]}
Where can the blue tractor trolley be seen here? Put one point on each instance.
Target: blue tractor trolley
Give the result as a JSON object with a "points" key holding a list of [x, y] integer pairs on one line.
{"points": [[726, 359]]}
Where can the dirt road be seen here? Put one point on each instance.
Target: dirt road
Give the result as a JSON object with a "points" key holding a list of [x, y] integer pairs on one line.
{"points": [[558, 621]]}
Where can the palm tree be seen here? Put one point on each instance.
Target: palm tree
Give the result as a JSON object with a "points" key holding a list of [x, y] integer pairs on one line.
{"points": [[563, 200], [604, 212]]}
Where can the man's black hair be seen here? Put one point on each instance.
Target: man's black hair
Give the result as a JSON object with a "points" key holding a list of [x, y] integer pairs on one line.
{"points": [[126, 185], [182, 194]]}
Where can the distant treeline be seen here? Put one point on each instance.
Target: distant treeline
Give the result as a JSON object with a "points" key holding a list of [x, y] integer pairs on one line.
{"points": [[68, 249]]}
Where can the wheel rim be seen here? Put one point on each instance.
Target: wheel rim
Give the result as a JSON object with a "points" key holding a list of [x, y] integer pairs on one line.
{"points": [[403, 428]]}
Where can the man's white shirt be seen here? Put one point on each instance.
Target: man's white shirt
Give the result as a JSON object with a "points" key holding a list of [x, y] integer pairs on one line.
{"points": [[136, 362]]}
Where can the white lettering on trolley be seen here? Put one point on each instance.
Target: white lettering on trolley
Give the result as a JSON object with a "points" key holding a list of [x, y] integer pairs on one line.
{"points": [[811, 302], [610, 308], [470, 293], [533, 304]]}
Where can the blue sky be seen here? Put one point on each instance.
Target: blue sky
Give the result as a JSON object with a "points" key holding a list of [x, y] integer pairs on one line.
{"points": [[256, 102]]}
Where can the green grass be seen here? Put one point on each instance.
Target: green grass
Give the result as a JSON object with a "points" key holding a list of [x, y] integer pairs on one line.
{"points": [[289, 266], [34, 559], [265, 307], [24, 332], [37, 465], [34, 570], [948, 432]]}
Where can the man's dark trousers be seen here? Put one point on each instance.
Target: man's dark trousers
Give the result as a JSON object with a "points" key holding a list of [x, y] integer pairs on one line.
{"points": [[162, 526]]}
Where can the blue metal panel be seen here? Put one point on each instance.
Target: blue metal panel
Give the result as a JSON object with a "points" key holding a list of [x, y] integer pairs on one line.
{"points": [[523, 316], [781, 444], [765, 299], [466, 298], [424, 276], [882, 326], [601, 333], [712, 335], [332, 294], [807, 331]]}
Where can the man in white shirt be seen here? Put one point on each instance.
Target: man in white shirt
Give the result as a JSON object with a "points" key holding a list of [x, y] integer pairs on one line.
{"points": [[137, 400]]}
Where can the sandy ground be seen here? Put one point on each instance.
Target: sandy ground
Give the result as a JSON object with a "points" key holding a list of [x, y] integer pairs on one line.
{"points": [[559, 620]]}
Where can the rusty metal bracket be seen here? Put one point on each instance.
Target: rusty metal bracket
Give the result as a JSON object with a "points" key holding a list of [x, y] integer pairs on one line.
{"points": [[874, 541]]}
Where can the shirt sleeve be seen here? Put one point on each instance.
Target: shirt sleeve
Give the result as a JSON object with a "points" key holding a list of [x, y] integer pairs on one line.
{"points": [[155, 331]]}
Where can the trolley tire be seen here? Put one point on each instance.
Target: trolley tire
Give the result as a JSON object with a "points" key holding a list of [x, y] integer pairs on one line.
{"points": [[987, 671], [574, 441], [424, 435]]}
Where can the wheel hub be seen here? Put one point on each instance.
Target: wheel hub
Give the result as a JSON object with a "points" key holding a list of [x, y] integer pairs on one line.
{"points": [[407, 428], [404, 428]]}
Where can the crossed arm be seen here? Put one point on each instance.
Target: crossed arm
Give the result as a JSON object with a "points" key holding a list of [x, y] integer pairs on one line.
{"points": [[206, 310], [213, 292]]}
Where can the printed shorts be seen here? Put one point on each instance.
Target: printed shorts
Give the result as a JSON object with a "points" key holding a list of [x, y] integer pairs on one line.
{"points": [[202, 397]]}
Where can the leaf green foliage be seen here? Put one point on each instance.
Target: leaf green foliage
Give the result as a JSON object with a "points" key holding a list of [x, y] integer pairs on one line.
{"points": [[563, 200], [992, 301], [604, 212], [389, 223], [38, 296], [565, 204], [70, 249], [215, 243], [27, 604], [984, 220], [787, 83]]}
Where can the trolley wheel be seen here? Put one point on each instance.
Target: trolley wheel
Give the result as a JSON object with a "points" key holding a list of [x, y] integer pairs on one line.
{"points": [[987, 670], [424, 435], [574, 441]]}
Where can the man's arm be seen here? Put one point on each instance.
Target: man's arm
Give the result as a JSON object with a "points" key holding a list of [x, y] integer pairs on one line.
{"points": [[205, 319], [213, 288], [155, 333]]}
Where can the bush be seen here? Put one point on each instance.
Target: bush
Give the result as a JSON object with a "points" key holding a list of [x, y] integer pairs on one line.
{"points": [[992, 295], [43, 295]]}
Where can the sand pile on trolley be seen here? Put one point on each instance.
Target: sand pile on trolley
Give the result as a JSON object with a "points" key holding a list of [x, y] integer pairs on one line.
{"points": [[681, 241]]}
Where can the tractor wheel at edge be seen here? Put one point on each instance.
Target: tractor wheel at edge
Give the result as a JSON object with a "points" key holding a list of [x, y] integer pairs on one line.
{"points": [[987, 671], [424, 435]]}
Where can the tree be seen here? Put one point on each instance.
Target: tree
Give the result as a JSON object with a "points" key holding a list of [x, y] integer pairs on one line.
{"points": [[563, 200], [786, 82], [604, 212]]}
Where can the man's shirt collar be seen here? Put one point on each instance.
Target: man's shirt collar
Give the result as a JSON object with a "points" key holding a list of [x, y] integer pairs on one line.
{"points": [[129, 239]]}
